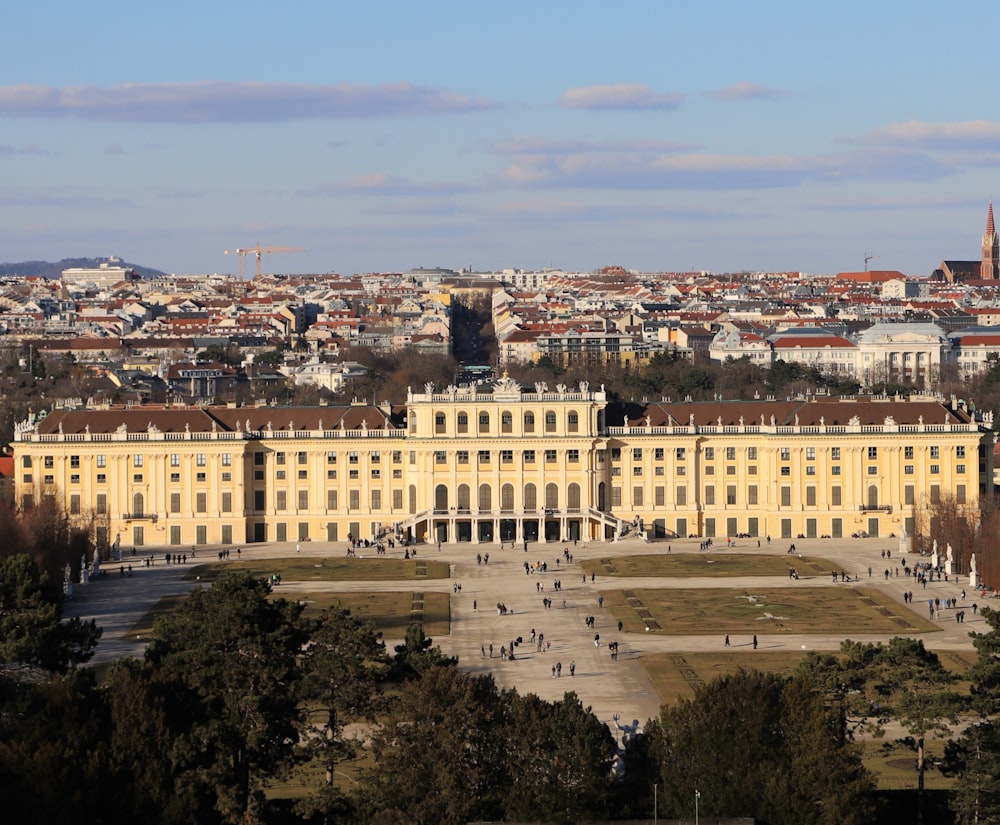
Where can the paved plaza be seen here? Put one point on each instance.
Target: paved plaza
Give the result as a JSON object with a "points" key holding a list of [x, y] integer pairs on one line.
{"points": [[609, 687]]}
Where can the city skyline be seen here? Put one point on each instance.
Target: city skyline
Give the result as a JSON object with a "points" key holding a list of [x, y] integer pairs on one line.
{"points": [[723, 137]]}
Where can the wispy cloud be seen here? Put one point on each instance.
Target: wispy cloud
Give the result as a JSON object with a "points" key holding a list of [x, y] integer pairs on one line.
{"points": [[628, 96], [713, 172], [381, 183], [897, 203], [745, 91], [29, 149], [969, 134], [545, 146], [222, 102], [113, 150]]}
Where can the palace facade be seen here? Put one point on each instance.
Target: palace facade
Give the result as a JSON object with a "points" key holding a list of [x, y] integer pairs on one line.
{"points": [[512, 464]]}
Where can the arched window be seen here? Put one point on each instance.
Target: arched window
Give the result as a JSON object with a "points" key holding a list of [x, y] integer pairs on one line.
{"points": [[439, 422], [413, 423], [550, 421], [506, 422], [463, 422], [441, 497], [413, 499], [464, 501], [530, 498], [485, 498], [529, 422], [484, 422], [507, 498], [872, 495], [551, 497], [138, 505], [573, 496], [602, 498], [573, 421]]}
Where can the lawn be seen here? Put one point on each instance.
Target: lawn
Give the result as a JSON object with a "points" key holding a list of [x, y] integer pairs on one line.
{"points": [[299, 569], [840, 610], [717, 565], [390, 612]]}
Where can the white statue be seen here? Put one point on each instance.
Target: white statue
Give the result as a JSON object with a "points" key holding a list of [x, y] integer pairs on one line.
{"points": [[973, 573]]}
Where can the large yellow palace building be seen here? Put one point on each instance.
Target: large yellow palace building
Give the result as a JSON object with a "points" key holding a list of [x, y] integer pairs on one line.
{"points": [[511, 464]]}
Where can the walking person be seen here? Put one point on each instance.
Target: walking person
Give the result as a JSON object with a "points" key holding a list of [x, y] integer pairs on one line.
{"points": [[755, 641], [727, 640]]}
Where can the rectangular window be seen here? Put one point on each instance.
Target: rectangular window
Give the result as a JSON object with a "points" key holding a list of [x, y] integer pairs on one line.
{"points": [[201, 503], [935, 469], [681, 496], [101, 504], [201, 477], [331, 474], [376, 499], [709, 470], [258, 459], [175, 460], [960, 494], [710, 454], [304, 474], [484, 456], [836, 496], [810, 453], [835, 453], [281, 500], [637, 453], [74, 462], [909, 495], [730, 454], [137, 460], [960, 469], [375, 457], [680, 454], [637, 496], [751, 494], [258, 500], [102, 461], [659, 496], [752, 453], [331, 457], [730, 469], [616, 496], [199, 460], [935, 494], [550, 456], [227, 459], [303, 458], [506, 456], [709, 496], [908, 453], [786, 471], [352, 457], [137, 478], [397, 456], [810, 469], [786, 496], [397, 499], [810, 496], [331, 499], [960, 451], [835, 471], [637, 471], [462, 456], [175, 502], [102, 478], [752, 470], [227, 476], [440, 457], [376, 474], [303, 499], [74, 478], [935, 452], [74, 505], [786, 453], [872, 453], [730, 494], [658, 453], [227, 503], [573, 456], [279, 458], [355, 499]]}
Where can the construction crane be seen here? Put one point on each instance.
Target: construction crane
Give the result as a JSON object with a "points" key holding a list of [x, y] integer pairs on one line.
{"points": [[259, 251], [868, 257]]}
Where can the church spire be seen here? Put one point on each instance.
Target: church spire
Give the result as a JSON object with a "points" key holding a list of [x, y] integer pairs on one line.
{"points": [[990, 268]]}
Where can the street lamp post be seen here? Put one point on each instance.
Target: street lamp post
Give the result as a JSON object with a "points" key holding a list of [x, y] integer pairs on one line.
{"points": [[697, 796], [654, 803]]}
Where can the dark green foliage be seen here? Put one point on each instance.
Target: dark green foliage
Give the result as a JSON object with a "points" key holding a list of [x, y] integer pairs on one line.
{"points": [[32, 633], [418, 654], [233, 654], [755, 744]]}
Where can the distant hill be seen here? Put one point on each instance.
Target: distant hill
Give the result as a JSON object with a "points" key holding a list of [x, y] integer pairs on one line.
{"points": [[47, 269]]}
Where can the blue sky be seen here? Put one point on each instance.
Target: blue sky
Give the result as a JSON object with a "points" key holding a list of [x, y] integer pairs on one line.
{"points": [[380, 136]]}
